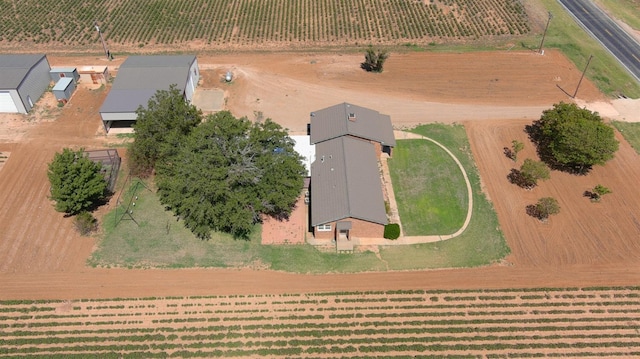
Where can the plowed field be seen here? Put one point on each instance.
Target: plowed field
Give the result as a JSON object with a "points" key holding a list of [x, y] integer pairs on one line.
{"points": [[572, 322], [583, 232]]}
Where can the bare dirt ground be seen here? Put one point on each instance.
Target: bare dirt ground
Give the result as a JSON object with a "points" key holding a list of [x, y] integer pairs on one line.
{"points": [[41, 256], [583, 232]]}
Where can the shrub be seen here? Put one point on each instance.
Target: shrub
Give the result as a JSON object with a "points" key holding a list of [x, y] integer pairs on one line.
{"points": [[596, 194], [544, 208], [374, 61], [392, 231], [85, 223]]}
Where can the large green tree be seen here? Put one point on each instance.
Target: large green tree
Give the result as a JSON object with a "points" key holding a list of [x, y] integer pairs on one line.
{"points": [[77, 183], [228, 172], [573, 138], [160, 128]]}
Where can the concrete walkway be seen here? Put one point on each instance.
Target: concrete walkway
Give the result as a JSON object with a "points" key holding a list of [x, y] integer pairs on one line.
{"points": [[395, 218]]}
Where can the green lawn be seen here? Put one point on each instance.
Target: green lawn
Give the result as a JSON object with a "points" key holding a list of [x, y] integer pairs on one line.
{"points": [[631, 133], [625, 10], [429, 188], [161, 241], [482, 242]]}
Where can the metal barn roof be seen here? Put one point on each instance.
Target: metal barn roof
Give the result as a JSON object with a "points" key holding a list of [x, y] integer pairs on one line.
{"points": [[14, 68], [140, 77]]}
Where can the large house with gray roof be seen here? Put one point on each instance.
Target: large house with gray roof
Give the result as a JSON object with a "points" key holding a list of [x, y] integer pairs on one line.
{"points": [[23, 80], [350, 120], [139, 78], [346, 189]]}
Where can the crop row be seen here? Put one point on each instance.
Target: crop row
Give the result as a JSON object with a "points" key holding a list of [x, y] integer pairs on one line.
{"points": [[255, 22], [570, 322], [482, 294]]}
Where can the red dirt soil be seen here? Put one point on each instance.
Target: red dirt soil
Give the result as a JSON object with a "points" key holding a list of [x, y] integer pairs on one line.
{"points": [[41, 256], [583, 232]]}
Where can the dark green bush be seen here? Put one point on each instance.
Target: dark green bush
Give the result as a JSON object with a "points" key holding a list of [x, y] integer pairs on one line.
{"points": [[85, 223], [392, 231]]}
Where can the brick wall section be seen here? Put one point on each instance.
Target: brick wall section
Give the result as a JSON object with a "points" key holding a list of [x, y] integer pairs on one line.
{"points": [[325, 234], [365, 229], [378, 147], [359, 228]]}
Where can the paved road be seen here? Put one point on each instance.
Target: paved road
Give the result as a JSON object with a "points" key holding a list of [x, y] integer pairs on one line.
{"points": [[607, 32]]}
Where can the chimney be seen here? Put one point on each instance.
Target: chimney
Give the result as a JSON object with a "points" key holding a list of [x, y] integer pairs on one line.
{"points": [[352, 117]]}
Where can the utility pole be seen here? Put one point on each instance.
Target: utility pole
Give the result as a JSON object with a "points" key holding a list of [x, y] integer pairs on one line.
{"points": [[581, 77], [104, 44], [545, 32]]}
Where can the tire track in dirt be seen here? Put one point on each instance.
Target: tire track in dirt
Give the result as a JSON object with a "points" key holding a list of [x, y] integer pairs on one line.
{"points": [[112, 283], [583, 232]]}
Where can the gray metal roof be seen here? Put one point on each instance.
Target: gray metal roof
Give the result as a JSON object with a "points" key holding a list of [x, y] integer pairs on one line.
{"points": [[142, 61], [345, 182], [14, 68], [62, 84], [347, 119], [62, 69], [126, 100], [140, 77]]}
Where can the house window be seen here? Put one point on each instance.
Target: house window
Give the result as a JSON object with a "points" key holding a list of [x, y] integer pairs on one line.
{"points": [[323, 228]]}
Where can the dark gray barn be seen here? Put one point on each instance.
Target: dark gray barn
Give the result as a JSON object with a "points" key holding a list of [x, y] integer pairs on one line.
{"points": [[23, 80]]}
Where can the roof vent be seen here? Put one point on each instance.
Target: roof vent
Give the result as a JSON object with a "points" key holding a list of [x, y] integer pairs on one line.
{"points": [[352, 116], [313, 114]]}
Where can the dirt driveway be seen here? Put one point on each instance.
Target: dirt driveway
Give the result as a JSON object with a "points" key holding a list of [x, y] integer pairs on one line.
{"points": [[41, 256]]}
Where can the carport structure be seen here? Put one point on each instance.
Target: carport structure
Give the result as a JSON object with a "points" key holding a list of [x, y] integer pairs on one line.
{"points": [[139, 78]]}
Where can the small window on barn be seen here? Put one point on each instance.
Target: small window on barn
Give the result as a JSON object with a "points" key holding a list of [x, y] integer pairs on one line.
{"points": [[323, 228]]}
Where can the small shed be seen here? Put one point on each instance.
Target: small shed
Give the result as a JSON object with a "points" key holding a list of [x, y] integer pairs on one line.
{"points": [[64, 88], [57, 73], [97, 75]]}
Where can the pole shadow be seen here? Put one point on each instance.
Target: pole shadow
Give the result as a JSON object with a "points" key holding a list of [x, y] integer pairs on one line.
{"points": [[563, 90]]}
